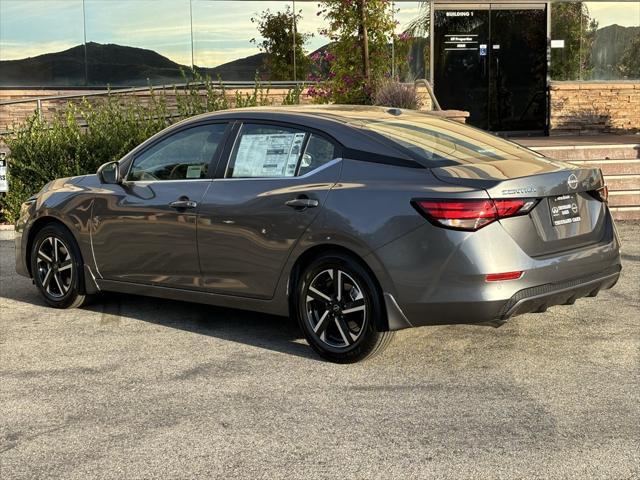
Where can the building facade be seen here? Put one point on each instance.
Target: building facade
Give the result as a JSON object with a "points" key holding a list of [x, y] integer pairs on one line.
{"points": [[515, 66]]}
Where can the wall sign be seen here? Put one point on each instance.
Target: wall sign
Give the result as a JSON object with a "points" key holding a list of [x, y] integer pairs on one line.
{"points": [[462, 41], [557, 43], [4, 187]]}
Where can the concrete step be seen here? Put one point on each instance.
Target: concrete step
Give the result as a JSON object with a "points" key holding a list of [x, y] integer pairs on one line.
{"points": [[612, 167], [625, 213], [590, 152], [625, 198], [623, 182]]}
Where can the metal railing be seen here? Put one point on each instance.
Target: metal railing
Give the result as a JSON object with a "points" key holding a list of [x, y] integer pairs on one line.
{"points": [[434, 101], [226, 85], [237, 84]]}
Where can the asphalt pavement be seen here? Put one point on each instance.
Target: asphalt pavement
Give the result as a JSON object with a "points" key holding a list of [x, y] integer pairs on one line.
{"points": [[131, 387]]}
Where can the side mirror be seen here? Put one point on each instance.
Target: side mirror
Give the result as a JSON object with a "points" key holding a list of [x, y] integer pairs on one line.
{"points": [[109, 173]]}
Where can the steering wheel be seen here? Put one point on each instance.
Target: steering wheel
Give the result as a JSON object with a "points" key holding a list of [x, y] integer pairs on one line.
{"points": [[146, 176], [175, 173]]}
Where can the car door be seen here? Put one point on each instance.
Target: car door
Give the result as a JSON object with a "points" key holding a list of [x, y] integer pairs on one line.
{"points": [[144, 229], [271, 188]]}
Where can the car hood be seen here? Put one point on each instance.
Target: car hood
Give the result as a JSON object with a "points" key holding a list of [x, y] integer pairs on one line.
{"points": [[61, 183]]}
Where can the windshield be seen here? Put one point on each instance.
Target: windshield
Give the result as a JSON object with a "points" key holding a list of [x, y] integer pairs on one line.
{"points": [[437, 140]]}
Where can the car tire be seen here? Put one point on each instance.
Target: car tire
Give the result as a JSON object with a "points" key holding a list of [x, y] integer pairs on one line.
{"points": [[338, 307], [56, 266]]}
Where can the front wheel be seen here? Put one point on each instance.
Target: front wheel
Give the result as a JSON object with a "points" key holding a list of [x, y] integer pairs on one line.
{"points": [[337, 308], [55, 265]]}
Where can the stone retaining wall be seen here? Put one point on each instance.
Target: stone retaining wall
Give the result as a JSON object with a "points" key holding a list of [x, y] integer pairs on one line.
{"points": [[584, 108]]}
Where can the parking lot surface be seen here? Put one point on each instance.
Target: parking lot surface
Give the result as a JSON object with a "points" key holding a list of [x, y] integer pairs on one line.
{"points": [[131, 387]]}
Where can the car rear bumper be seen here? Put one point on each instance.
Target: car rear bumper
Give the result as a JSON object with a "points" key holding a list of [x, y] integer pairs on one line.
{"points": [[538, 299], [438, 277], [529, 300]]}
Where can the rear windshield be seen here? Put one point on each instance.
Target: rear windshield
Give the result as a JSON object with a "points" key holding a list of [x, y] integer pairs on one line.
{"points": [[446, 142]]}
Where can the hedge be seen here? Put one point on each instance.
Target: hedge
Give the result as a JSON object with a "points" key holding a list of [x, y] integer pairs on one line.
{"points": [[85, 135]]}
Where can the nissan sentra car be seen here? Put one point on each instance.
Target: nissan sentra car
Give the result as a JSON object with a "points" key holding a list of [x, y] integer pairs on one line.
{"points": [[357, 221]]}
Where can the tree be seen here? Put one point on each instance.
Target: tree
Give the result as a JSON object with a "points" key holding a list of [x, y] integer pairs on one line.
{"points": [[629, 64], [279, 35], [412, 48], [358, 58], [572, 23]]}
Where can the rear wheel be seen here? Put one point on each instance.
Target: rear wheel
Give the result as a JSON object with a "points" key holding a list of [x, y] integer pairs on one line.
{"points": [[55, 265], [337, 306]]}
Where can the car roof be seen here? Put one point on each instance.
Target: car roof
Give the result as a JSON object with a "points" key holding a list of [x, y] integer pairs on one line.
{"points": [[345, 114], [345, 123]]}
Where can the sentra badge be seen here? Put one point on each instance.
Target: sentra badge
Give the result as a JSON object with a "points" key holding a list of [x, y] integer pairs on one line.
{"points": [[519, 191]]}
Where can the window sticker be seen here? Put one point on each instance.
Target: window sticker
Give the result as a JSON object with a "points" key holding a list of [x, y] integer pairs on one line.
{"points": [[268, 155], [194, 171]]}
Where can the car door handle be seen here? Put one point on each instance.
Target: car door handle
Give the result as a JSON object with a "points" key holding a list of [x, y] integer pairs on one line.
{"points": [[183, 204], [302, 203]]}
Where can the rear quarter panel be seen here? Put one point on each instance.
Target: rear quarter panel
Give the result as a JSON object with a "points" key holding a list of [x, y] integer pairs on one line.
{"points": [[370, 207]]}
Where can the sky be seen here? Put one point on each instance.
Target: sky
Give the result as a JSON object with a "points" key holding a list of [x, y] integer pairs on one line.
{"points": [[222, 30]]}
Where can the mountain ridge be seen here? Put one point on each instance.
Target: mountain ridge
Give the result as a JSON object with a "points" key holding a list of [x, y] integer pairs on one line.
{"points": [[115, 65]]}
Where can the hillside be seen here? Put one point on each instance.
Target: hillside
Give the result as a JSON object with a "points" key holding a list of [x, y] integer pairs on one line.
{"points": [[110, 64]]}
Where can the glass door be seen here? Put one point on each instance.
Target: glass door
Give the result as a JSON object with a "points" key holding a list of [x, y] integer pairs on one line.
{"points": [[491, 61], [518, 73], [461, 63]]}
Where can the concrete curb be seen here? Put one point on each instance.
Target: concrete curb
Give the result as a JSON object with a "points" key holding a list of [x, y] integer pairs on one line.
{"points": [[7, 227]]}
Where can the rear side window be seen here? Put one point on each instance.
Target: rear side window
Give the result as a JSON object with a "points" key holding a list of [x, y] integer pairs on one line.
{"points": [[317, 152], [183, 155], [272, 151]]}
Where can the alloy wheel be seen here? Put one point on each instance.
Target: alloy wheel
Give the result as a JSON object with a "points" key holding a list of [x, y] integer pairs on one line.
{"points": [[336, 308], [54, 267]]}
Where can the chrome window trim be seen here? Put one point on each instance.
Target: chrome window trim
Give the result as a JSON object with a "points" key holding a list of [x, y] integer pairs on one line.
{"points": [[146, 182]]}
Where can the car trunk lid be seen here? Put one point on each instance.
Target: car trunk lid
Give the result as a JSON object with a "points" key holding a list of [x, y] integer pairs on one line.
{"points": [[568, 214]]}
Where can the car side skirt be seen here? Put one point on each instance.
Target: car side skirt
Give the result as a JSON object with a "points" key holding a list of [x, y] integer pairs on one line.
{"points": [[272, 307]]}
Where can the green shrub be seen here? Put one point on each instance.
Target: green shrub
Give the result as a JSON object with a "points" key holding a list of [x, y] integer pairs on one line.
{"points": [[85, 135], [293, 95]]}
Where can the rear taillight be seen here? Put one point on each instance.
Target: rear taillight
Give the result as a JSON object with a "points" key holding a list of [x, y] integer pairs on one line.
{"points": [[471, 214], [601, 194]]}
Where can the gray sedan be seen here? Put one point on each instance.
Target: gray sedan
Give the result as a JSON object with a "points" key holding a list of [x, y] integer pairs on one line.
{"points": [[358, 221]]}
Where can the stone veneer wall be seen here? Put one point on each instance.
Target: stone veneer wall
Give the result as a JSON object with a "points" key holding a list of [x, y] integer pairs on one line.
{"points": [[584, 108]]}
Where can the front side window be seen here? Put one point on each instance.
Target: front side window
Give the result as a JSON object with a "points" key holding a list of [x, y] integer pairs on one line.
{"points": [[270, 151], [185, 155]]}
